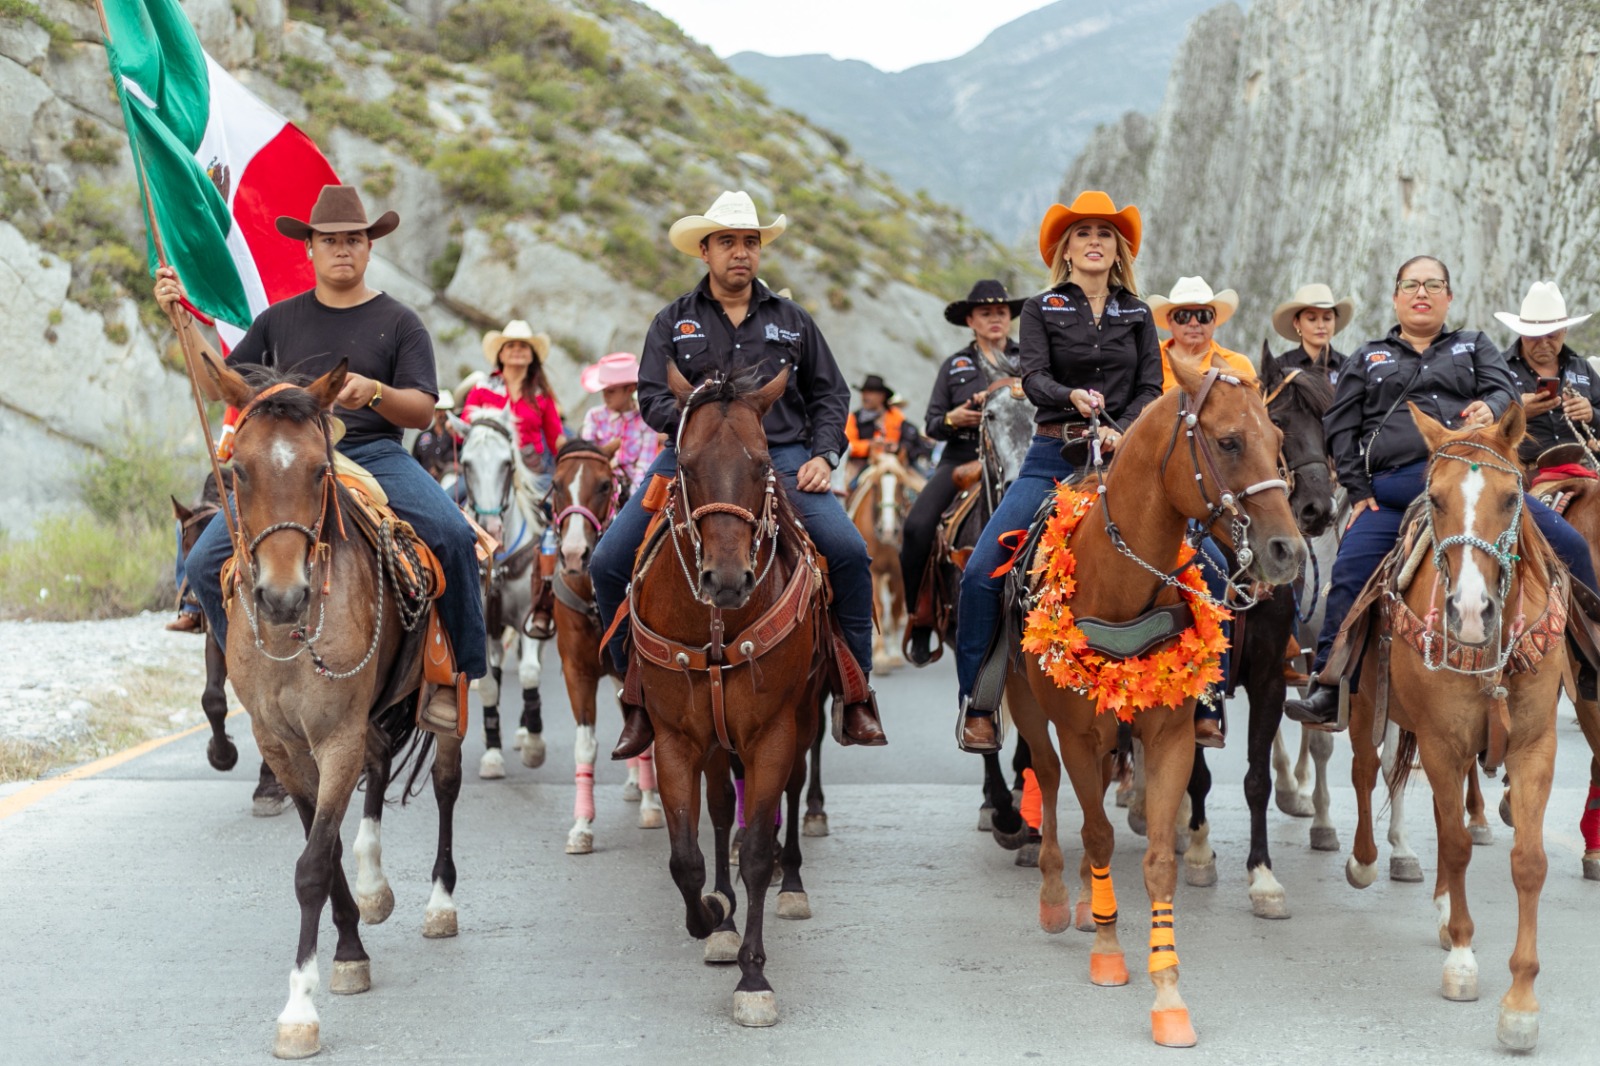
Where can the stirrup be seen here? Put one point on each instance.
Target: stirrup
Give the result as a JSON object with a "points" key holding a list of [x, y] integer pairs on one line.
{"points": [[961, 723]]}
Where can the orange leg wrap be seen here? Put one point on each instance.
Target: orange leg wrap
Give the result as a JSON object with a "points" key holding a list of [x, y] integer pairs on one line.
{"points": [[1032, 799], [1163, 946], [1102, 896]]}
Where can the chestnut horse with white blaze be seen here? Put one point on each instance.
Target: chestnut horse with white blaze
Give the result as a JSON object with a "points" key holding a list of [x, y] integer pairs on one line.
{"points": [[729, 627], [1206, 452], [315, 635]]}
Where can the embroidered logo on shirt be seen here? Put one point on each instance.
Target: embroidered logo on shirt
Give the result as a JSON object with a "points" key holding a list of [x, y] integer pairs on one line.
{"points": [[961, 363], [688, 329], [1380, 356], [1056, 303], [1577, 378], [783, 336], [1464, 349]]}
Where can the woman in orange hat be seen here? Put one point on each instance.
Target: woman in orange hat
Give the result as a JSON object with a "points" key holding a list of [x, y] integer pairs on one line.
{"points": [[1088, 348]]}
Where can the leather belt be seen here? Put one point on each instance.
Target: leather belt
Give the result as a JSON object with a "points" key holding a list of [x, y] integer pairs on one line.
{"points": [[1061, 430]]}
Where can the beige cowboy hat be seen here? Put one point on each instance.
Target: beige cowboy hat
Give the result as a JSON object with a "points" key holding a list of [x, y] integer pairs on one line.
{"points": [[1193, 292], [1543, 312], [338, 210], [732, 210], [1314, 295], [516, 330]]}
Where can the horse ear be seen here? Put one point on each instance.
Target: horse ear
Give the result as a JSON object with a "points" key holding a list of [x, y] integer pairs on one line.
{"points": [[1271, 370], [231, 385], [1433, 431], [1513, 425], [768, 394], [678, 384], [327, 388], [179, 511], [1185, 371]]}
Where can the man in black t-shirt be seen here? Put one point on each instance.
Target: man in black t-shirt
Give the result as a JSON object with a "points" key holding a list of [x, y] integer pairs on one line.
{"points": [[391, 386]]}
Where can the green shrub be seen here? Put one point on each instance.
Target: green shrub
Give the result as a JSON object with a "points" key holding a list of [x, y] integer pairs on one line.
{"points": [[482, 28], [478, 174], [89, 144], [443, 269], [60, 33], [80, 566], [130, 482]]}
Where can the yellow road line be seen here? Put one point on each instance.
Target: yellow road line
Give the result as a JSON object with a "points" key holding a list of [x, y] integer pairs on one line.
{"points": [[21, 801]]}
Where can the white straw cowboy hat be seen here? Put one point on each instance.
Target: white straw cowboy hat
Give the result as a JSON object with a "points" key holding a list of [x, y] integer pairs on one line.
{"points": [[516, 330], [446, 401], [1314, 295], [1193, 292], [1544, 311], [732, 210]]}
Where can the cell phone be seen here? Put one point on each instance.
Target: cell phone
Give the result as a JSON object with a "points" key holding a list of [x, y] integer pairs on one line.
{"points": [[1548, 386]]}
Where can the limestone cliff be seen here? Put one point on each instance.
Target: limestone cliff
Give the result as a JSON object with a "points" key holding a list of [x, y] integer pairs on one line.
{"points": [[1332, 139]]}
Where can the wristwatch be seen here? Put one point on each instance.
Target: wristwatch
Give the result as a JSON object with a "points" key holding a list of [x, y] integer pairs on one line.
{"points": [[832, 459], [377, 394]]}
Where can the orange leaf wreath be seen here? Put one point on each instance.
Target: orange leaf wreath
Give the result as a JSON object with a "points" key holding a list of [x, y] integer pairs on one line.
{"points": [[1179, 670]]}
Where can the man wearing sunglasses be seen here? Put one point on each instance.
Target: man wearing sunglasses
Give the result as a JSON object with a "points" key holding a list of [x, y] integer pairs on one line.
{"points": [[1192, 313]]}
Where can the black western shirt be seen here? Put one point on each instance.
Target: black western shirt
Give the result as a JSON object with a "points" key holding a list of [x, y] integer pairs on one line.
{"points": [[1369, 427], [1063, 349], [695, 334], [1551, 428], [960, 378], [1328, 366]]}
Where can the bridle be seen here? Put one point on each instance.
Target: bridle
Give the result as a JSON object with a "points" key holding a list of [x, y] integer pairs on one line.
{"points": [[599, 522], [1289, 469], [507, 480]]}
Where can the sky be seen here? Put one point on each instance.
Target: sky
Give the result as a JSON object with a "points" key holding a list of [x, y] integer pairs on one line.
{"points": [[889, 34]]}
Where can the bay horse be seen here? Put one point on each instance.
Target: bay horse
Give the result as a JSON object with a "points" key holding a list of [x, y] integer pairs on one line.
{"points": [[584, 498], [318, 663], [1206, 452], [878, 505], [1480, 671], [728, 630], [500, 495]]}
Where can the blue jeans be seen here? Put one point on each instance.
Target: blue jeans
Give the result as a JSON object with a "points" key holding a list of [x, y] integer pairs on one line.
{"points": [[419, 500], [1369, 539], [979, 611], [836, 537], [1214, 569]]}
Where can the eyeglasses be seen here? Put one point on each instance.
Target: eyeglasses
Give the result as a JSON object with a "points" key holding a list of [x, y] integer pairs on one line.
{"points": [[1184, 315], [1434, 286]]}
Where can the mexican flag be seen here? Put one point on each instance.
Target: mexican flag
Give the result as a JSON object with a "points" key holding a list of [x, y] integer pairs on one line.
{"points": [[218, 166]]}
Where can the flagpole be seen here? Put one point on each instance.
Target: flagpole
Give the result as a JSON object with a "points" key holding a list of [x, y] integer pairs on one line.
{"points": [[187, 339]]}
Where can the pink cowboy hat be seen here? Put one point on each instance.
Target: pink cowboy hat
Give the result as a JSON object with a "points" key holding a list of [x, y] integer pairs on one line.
{"points": [[618, 368]]}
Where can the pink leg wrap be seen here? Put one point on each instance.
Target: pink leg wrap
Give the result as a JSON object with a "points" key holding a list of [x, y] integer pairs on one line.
{"points": [[583, 806], [647, 769], [1589, 824], [738, 801]]}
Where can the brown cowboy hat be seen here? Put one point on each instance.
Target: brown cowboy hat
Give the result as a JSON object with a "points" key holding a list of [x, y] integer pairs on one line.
{"points": [[338, 210], [1090, 204]]}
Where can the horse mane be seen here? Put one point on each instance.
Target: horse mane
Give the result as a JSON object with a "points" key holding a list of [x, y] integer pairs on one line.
{"points": [[578, 444], [294, 405], [1314, 391], [725, 390]]}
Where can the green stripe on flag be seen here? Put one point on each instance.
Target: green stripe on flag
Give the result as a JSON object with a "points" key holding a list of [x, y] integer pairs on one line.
{"points": [[160, 74]]}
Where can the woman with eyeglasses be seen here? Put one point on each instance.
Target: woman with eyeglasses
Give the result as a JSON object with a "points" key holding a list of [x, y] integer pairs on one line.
{"points": [[1456, 376], [1088, 347]]}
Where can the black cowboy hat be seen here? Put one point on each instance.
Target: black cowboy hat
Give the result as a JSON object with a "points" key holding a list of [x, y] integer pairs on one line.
{"points": [[874, 383], [987, 291]]}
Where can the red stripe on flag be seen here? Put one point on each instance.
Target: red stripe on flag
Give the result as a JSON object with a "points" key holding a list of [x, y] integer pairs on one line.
{"points": [[283, 178]]}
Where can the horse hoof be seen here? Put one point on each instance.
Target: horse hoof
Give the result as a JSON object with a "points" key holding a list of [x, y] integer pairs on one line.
{"points": [[297, 1040], [1028, 854], [533, 751], [1481, 835], [1124, 796], [1405, 868], [1108, 970], [522, 734], [1011, 841], [723, 946], [985, 818], [1505, 808], [1055, 917], [1085, 917], [1136, 822], [351, 978], [1591, 866], [631, 793], [1359, 874], [580, 844], [221, 754], [1273, 906], [814, 825], [492, 767], [755, 1009], [439, 925], [1181, 840], [651, 818], [1518, 1029], [1324, 838], [376, 908], [1172, 1028], [1294, 804], [1200, 876], [1459, 985], [794, 906], [270, 806]]}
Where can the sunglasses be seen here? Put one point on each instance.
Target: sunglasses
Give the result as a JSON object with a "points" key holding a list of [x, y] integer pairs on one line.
{"points": [[1185, 315], [1433, 286]]}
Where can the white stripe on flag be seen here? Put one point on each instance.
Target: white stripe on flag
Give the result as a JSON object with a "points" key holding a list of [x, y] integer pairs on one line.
{"points": [[134, 90]]}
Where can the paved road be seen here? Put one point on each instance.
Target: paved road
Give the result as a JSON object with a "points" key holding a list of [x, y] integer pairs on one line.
{"points": [[149, 919]]}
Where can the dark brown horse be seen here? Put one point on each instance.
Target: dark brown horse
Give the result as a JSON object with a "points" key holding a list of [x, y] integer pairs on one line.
{"points": [[315, 639], [727, 626]]}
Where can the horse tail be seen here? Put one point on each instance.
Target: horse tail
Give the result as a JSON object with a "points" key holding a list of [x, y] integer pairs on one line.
{"points": [[1405, 754], [409, 747]]}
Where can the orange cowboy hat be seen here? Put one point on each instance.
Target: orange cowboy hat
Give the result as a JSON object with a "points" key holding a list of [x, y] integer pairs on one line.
{"points": [[1090, 204]]}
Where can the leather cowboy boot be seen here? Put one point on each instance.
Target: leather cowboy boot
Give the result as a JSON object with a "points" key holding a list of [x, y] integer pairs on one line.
{"points": [[861, 723], [441, 713], [1319, 709], [637, 733], [978, 735]]}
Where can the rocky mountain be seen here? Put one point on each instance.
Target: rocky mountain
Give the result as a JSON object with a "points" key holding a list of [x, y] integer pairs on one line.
{"points": [[537, 151], [990, 131], [1333, 139]]}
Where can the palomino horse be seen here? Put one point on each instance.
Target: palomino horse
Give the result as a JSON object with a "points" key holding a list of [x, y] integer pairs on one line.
{"points": [[1205, 452], [584, 497], [728, 631], [883, 494], [501, 497], [316, 631], [1479, 672]]}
